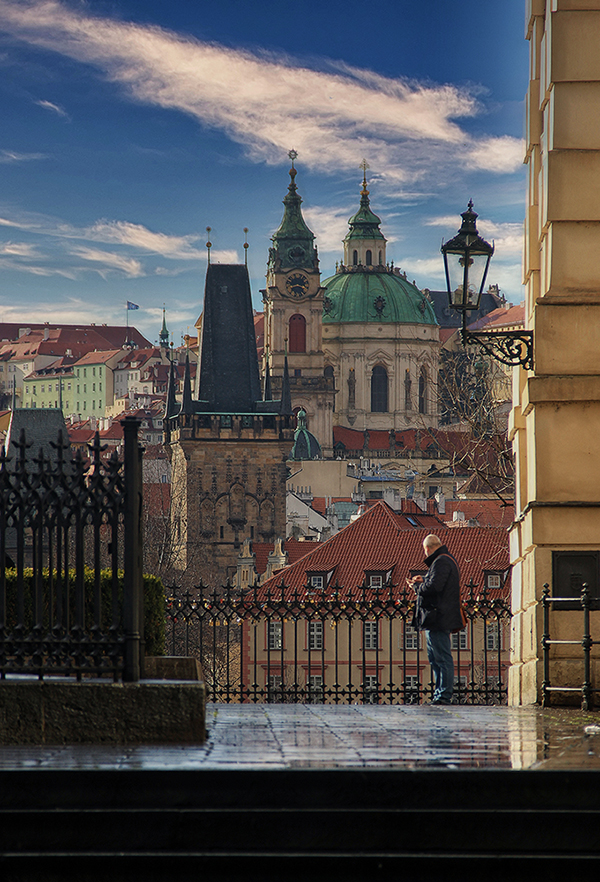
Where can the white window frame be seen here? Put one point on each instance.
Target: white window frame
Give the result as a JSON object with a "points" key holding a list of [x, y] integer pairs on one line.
{"points": [[370, 635], [375, 580], [460, 639], [493, 636], [411, 637], [315, 636], [494, 580], [317, 581], [275, 635], [371, 687]]}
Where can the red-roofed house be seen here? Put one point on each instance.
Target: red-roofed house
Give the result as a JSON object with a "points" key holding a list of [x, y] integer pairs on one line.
{"points": [[342, 613]]}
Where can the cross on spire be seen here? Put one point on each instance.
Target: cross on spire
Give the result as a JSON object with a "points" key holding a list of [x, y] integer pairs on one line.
{"points": [[365, 165]]}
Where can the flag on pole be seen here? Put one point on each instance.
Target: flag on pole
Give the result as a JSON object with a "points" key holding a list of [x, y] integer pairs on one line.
{"points": [[131, 305]]}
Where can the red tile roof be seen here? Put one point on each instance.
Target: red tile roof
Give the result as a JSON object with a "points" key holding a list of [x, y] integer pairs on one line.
{"points": [[487, 512], [377, 542], [295, 550]]}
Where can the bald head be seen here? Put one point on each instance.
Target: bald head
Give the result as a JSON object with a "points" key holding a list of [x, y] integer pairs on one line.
{"points": [[430, 544]]}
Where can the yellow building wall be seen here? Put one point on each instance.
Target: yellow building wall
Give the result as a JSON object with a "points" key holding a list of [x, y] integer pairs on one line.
{"points": [[555, 424]]}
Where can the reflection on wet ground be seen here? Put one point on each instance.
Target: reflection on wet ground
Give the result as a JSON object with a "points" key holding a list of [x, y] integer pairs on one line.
{"points": [[369, 736]]}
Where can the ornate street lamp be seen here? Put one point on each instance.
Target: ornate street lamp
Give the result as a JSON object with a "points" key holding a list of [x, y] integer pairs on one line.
{"points": [[466, 261]]}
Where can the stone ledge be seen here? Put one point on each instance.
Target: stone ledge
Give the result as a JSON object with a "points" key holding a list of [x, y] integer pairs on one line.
{"points": [[52, 712]]}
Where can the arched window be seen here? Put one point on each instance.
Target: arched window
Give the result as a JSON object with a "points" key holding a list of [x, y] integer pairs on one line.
{"points": [[423, 391], [380, 258], [369, 258], [328, 372], [297, 330], [355, 258], [379, 390]]}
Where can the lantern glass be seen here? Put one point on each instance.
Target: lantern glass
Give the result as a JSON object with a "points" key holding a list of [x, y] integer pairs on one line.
{"points": [[466, 271]]}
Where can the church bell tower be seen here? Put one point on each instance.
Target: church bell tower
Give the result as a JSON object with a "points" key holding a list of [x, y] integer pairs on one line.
{"points": [[293, 303]]}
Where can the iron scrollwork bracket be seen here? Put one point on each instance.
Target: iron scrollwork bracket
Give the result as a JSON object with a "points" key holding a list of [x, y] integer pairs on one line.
{"points": [[511, 347]]}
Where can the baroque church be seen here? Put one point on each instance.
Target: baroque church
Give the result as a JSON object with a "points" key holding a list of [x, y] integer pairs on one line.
{"points": [[363, 344], [359, 349]]}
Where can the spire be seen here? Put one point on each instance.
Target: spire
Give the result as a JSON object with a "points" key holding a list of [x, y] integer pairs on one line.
{"points": [[285, 406], [171, 404], [164, 333], [364, 224], [229, 378], [187, 405], [293, 243], [268, 393]]}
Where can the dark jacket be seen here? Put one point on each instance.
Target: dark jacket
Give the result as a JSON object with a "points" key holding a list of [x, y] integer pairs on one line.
{"points": [[438, 595]]}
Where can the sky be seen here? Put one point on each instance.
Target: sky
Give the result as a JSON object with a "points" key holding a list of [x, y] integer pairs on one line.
{"points": [[129, 126]]}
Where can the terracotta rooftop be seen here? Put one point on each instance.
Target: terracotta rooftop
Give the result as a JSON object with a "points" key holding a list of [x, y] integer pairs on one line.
{"points": [[377, 542]]}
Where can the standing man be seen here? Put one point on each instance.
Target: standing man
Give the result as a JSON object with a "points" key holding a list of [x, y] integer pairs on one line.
{"points": [[438, 613]]}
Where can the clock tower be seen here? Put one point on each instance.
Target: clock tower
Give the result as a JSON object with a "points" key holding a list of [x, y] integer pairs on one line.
{"points": [[293, 318]]}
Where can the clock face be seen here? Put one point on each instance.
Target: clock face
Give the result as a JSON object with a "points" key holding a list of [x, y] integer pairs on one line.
{"points": [[296, 285]]}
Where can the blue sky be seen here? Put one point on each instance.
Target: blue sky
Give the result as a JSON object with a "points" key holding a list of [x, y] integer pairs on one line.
{"points": [[128, 127]]}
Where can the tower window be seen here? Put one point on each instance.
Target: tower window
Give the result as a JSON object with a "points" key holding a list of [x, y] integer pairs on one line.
{"points": [[379, 390], [423, 391], [380, 258], [297, 328], [369, 258], [355, 258]]}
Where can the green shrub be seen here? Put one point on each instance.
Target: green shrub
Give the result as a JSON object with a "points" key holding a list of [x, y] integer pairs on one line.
{"points": [[154, 603]]}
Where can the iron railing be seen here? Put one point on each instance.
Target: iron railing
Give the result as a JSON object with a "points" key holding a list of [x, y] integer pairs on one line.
{"points": [[70, 561], [585, 641], [333, 646]]}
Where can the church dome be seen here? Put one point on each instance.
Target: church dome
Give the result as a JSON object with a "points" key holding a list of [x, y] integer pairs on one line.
{"points": [[306, 445], [374, 294], [365, 287]]}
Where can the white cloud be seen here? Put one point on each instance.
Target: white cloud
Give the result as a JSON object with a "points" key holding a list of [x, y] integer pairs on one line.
{"points": [[55, 108], [332, 117], [138, 236], [329, 225], [19, 249], [108, 260], [223, 256], [507, 237], [7, 156]]}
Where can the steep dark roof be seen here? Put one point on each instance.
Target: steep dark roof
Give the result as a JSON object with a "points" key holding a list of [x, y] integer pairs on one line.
{"points": [[229, 379], [41, 426]]}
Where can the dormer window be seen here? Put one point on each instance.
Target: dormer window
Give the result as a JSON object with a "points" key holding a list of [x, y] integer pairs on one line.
{"points": [[375, 580], [317, 581]]}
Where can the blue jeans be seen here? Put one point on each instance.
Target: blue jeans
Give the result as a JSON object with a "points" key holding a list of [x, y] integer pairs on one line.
{"points": [[439, 652]]}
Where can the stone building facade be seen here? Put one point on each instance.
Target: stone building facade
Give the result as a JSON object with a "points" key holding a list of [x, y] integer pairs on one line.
{"points": [[555, 422], [229, 447]]}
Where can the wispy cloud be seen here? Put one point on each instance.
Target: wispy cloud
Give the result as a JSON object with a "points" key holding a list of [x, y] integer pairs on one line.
{"points": [[14, 156], [105, 261], [332, 116], [138, 236], [19, 249], [329, 225], [508, 237], [55, 108]]}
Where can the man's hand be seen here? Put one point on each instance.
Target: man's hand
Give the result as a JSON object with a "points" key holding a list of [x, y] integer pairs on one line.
{"points": [[414, 581]]}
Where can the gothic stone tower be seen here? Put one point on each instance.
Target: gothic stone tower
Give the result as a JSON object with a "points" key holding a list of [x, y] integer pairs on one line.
{"points": [[228, 448], [293, 311]]}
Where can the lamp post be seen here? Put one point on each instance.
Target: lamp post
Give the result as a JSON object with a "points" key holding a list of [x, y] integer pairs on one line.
{"points": [[466, 261]]}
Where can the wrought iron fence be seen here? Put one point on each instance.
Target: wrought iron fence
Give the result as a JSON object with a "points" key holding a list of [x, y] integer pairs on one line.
{"points": [[64, 521], [334, 646], [585, 642]]}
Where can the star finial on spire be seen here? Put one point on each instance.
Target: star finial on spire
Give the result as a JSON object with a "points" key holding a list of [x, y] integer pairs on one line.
{"points": [[293, 154], [364, 165]]}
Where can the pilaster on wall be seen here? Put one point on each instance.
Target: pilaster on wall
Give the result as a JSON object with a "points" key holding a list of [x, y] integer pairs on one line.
{"points": [[555, 423]]}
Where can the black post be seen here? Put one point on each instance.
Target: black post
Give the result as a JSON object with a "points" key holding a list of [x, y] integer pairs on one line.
{"points": [[546, 644], [132, 588], [586, 697]]}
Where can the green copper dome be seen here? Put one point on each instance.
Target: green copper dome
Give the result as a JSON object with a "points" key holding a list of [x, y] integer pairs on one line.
{"points": [[374, 294]]}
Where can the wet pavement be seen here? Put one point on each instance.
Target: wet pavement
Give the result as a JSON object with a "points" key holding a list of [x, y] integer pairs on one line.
{"points": [[369, 736]]}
